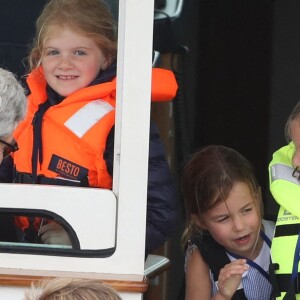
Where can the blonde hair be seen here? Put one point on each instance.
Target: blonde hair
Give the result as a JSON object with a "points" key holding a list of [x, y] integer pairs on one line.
{"points": [[90, 18], [71, 289]]}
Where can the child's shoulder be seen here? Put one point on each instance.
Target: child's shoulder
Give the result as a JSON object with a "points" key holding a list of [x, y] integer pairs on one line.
{"points": [[269, 227]]}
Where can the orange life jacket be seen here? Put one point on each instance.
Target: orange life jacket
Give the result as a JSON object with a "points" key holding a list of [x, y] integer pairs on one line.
{"points": [[75, 130]]}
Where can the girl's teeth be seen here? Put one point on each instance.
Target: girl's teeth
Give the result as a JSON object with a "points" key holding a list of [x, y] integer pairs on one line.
{"points": [[66, 77]]}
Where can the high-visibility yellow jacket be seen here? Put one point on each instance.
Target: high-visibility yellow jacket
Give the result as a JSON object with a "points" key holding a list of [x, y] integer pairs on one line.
{"points": [[285, 188]]}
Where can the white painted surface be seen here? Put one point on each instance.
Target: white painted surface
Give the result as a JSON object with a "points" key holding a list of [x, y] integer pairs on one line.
{"points": [[90, 212]]}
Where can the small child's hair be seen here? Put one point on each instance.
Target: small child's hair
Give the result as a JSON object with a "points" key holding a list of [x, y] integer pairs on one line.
{"points": [[71, 289], [207, 180], [295, 114], [91, 18]]}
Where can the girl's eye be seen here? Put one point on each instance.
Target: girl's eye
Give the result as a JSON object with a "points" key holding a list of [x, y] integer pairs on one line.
{"points": [[80, 52], [223, 219], [52, 52], [248, 209]]}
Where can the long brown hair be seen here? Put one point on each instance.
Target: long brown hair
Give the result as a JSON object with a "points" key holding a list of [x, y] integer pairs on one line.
{"points": [[207, 180]]}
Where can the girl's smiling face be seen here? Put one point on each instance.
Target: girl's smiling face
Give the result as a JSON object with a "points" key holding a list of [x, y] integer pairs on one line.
{"points": [[70, 60], [235, 223]]}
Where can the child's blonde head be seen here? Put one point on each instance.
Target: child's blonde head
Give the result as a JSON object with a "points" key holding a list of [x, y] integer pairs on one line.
{"points": [[71, 289], [90, 18]]}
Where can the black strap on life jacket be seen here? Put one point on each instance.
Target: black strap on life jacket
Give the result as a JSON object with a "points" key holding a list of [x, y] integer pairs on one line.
{"points": [[37, 150], [216, 258], [294, 287], [273, 279], [285, 282]]}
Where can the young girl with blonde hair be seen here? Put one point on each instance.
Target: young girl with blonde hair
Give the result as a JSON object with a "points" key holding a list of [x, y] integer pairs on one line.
{"points": [[67, 137]]}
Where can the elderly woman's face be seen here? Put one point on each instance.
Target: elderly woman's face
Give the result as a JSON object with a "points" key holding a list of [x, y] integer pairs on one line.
{"points": [[7, 145]]}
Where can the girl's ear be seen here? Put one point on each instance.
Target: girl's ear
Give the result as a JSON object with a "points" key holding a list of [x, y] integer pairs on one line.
{"points": [[106, 62], [198, 221]]}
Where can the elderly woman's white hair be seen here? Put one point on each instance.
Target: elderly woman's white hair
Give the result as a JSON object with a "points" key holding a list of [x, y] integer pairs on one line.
{"points": [[13, 103]]}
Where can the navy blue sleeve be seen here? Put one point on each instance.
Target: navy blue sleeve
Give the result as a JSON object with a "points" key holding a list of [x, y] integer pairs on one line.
{"points": [[162, 196]]}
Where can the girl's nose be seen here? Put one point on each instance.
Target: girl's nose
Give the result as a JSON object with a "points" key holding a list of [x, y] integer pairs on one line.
{"points": [[238, 224], [65, 63]]}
